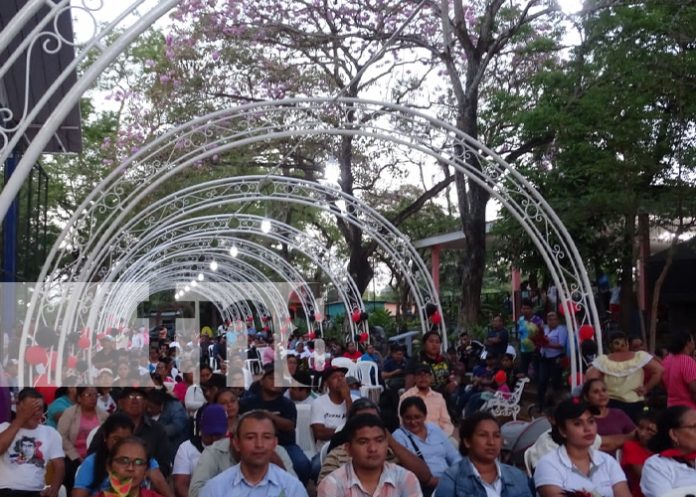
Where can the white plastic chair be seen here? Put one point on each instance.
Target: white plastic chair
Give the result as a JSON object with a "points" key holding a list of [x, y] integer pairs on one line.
{"points": [[342, 362], [253, 366], [211, 356], [367, 372], [248, 378], [303, 431]]}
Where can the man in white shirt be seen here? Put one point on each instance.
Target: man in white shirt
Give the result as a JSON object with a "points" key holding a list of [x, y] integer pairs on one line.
{"points": [[26, 449], [328, 411]]}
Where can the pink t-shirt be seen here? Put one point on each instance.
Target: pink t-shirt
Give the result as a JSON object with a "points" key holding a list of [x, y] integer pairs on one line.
{"points": [[680, 370], [268, 355], [87, 424]]}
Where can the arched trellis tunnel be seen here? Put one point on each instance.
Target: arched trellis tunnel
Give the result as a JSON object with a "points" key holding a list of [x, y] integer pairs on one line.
{"points": [[287, 119]]}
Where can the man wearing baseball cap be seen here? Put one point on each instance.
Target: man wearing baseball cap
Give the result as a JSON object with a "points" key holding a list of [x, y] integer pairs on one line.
{"points": [[328, 411]]}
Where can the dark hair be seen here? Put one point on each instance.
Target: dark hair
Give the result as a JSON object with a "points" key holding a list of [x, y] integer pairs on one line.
{"points": [[414, 401], [679, 340], [526, 303], [224, 391], [258, 415], [205, 366], [361, 404], [81, 390], [509, 356], [650, 416], [588, 347], [216, 381], [565, 411], [157, 396], [362, 421], [126, 441], [587, 386], [395, 347], [303, 378], [28, 393], [60, 391], [98, 447], [429, 334], [469, 425], [618, 335], [670, 419]]}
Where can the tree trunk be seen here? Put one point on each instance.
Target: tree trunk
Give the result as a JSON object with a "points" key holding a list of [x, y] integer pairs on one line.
{"points": [[658, 289], [628, 299], [472, 200]]}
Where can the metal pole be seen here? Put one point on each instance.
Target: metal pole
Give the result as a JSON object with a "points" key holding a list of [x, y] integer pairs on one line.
{"points": [[9, 253]]}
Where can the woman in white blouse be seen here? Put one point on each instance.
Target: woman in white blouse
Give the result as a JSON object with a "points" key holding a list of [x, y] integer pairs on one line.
{"points": [[674, 445], [575, 465]]}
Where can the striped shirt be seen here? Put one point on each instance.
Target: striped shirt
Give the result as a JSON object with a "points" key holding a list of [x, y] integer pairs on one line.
{"points": [[680, 370]]}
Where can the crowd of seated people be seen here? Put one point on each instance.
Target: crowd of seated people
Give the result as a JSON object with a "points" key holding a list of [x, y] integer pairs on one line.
{"points": [[223, 429]]}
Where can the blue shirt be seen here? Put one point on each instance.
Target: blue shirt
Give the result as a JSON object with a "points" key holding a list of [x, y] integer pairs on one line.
{"points": [[436, 450], [462, 480], [231, 483], [57, 407], [558, 336], [391, 365], [84, 477]]}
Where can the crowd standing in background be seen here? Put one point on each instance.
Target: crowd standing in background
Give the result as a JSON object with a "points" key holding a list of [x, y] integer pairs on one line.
{"points": [[234, 412]]}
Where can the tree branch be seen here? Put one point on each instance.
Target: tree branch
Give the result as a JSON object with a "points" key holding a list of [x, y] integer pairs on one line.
{"points": [[418, 203]]}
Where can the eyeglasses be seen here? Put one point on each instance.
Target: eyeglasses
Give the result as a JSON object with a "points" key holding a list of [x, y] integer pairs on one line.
{"points": [[127, 461]]}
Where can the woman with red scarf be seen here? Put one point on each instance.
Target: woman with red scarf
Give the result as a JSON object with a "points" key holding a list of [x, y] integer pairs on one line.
{"points": [[674, 464]]}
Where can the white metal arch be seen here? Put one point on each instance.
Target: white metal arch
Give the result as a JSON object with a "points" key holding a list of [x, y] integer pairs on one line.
{"points": [[241, 190], [151, 270], [200, 231], [501, 180], [179, 272], [257, 252]]}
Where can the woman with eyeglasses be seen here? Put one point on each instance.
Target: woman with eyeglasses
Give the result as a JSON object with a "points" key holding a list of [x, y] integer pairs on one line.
{"points": [[127, 467], [92, 475], [674, 444], [74, 425], [426, 440], [629, 375], [575, 466]]}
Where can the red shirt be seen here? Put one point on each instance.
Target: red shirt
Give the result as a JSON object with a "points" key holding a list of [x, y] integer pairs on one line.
{"points": [[634, 454], [354, 356], [680, 370]]}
